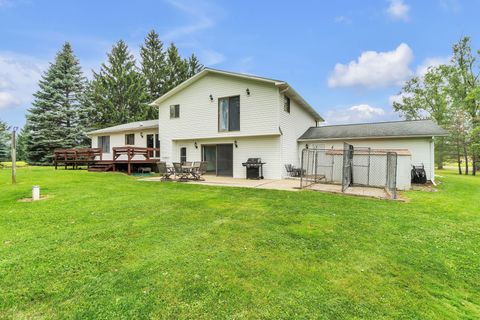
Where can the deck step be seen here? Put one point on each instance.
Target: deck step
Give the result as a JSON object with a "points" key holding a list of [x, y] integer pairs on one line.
{"points": [[101, 168]]}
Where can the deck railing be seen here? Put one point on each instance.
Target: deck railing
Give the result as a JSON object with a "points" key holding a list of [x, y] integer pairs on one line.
{"points": [[76, 156]]}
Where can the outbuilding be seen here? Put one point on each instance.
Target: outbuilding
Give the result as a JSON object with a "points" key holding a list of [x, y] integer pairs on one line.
{"points": [[414, 142]]}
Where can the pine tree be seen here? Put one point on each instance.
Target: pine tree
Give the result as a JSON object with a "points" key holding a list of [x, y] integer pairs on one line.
{"points": [[119, 92], [4, 141], [194, 66], [22, 140], [53, 119], [176, 69], [153, 64]]}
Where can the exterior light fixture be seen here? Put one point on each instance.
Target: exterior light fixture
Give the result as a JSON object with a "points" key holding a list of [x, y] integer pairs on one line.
{"points": [[248, 91], [211, 98], [306, 146], [141, 134], [195, 144], [235, 142]]}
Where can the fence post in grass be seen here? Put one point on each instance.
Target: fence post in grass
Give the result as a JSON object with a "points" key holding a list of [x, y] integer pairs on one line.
{"points": [[14, 155]]}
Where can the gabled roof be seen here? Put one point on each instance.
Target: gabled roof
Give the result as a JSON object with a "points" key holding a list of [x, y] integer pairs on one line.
{"points": [[282, 85], [391, 129], [131, 126]]}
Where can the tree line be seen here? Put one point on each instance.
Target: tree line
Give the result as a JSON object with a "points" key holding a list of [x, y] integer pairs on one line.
{"points": [[450, 95], [67, 105]]}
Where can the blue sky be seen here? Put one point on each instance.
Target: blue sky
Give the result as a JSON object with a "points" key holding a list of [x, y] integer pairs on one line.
{"points": [[347, 58]]}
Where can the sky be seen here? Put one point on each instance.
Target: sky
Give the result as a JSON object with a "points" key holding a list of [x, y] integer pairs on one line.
{"points": [[348, 59]]}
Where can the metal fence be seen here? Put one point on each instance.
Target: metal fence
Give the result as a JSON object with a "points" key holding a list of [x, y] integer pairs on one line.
{"points": [[350, 166]]}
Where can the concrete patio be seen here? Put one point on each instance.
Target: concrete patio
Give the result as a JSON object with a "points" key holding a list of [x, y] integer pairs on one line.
{"points": [[210, 180], [292, 184]]}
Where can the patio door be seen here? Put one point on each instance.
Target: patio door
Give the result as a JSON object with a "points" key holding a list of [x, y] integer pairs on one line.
{"points": [[225, 160], [209, 154]]}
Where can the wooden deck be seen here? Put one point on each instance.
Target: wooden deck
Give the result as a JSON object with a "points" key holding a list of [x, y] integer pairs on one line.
{"points": [[123, 158]]}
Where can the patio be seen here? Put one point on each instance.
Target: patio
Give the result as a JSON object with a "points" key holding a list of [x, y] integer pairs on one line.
{"points": [[291, 184], [211, 180]]}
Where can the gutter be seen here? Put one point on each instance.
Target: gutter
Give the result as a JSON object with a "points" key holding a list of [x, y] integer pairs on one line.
{"points": [[371, 137]]}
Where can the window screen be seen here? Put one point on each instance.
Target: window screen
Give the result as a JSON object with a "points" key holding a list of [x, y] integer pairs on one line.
{"points": [[286, 104], [104, 143], [229, 114], [174, 111], [130, 139], [183, 155]]}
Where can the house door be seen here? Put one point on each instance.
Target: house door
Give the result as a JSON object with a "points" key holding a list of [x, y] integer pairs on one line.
{"points": [[225, 160], [209, 154], [153, 143]]}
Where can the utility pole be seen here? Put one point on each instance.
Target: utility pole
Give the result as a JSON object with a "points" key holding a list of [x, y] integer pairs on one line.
{"points": [[14, 155]]}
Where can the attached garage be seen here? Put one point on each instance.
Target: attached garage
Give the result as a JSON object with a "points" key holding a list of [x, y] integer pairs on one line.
{"points": [[412, 140]]}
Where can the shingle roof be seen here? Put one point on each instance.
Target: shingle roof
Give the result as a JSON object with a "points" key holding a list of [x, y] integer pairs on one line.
{"points": [[415, 128], [131, 126]]}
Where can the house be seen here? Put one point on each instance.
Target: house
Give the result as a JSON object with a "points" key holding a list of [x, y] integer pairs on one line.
{"points": [[136, 134], [225, 118]]}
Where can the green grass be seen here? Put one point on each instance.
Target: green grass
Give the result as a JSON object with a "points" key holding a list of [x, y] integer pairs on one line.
{"points": [[106, 246]]}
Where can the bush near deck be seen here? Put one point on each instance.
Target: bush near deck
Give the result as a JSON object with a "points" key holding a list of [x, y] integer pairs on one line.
{"points": [[108, 246]]}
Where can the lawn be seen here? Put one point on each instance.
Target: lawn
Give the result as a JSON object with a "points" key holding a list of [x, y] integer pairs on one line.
{"points": [[106, 246]]}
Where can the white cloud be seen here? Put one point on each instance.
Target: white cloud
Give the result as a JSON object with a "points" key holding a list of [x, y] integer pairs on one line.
{"points": [[431, 62], [354, 114], [200, 15], [451, 5], [374, 69], [19, 75], [398, 10], [343, 20], [7, 99], [211, 57]]}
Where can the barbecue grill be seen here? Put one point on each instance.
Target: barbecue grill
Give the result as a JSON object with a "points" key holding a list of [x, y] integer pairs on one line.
{"points": [[254, 168], [418, 174]]}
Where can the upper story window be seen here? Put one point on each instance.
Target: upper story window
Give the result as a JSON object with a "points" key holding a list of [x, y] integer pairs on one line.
{"points": [[104, 143], [129, 139], [229, 114], [286, 104], [174, 111]]}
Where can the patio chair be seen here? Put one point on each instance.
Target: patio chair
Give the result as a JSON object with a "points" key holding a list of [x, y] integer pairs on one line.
{"points": [[180, 172], [163, 170], [200, 168], [292, 171], [187, 163]]}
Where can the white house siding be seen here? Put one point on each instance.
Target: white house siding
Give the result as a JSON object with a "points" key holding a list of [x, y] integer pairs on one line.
{"points": [[266, 147], [421, 150], [199, 116], [117, 139], [292, 126]]}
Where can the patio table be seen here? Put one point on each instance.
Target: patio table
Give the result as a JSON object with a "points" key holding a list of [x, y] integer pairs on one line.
{"points": [[192, 170]]}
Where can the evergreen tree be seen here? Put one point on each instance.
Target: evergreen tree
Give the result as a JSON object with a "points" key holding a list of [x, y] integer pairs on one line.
{"points": [[153, 64], [22, 140], [176, 69], [53, 119], [119, 92], [194, 66], [4, 141]]}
